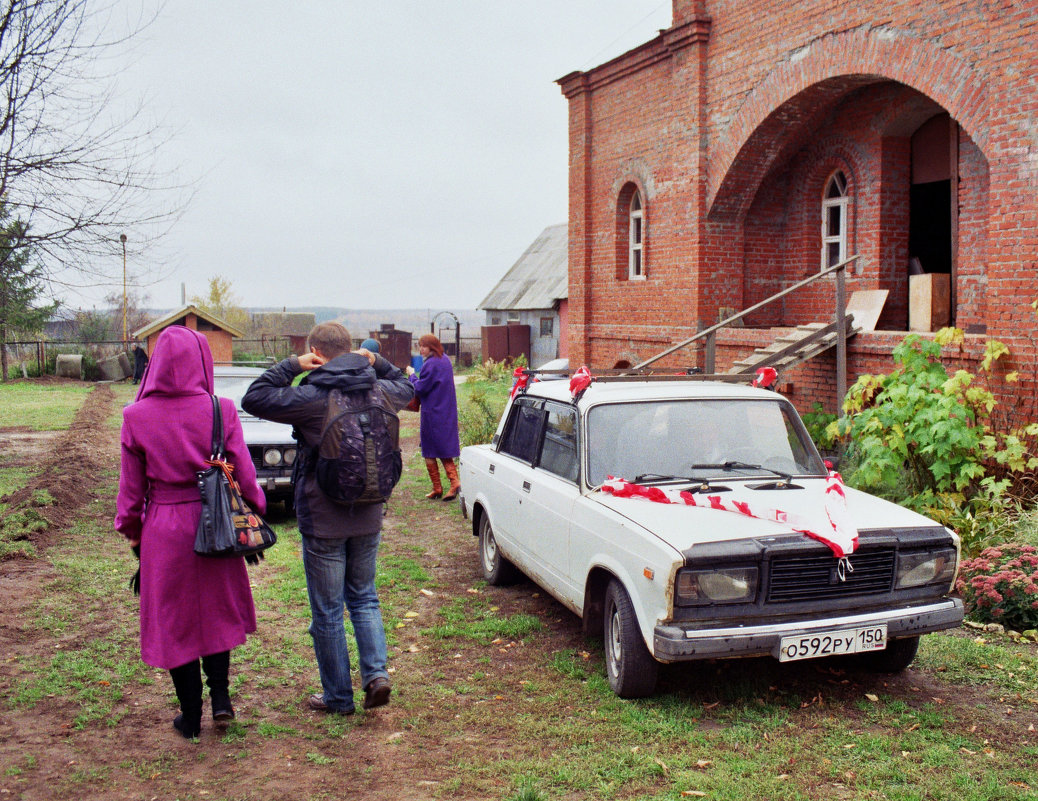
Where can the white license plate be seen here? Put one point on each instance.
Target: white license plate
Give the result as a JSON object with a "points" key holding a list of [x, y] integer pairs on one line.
{"points": [[832, 643]]}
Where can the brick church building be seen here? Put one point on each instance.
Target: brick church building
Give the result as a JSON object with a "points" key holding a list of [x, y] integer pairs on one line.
{"points": [[755, 143]]}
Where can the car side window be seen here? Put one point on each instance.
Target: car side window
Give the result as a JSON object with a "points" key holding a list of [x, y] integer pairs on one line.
{"points": [[523, 433], [559, 450]]}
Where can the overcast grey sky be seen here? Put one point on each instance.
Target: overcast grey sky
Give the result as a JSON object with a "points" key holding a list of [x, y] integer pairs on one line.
{"points": [[381, 154]]}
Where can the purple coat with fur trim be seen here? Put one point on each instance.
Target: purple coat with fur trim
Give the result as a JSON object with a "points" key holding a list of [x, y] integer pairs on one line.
{"points": [[191, 606]]}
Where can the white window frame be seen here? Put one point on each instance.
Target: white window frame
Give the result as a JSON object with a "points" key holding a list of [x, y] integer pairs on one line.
{"points": [[636, 238], [840, 204]]}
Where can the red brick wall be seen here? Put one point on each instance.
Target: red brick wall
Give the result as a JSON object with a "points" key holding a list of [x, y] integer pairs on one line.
{"points": [[730, 123]]}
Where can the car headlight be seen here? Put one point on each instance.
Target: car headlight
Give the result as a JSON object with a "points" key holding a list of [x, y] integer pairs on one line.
{"points": [[272, 457], [730, 585], [290, 455], [925, 567]]}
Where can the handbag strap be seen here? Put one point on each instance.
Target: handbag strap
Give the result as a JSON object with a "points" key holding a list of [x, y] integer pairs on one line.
{"points": [[216, 449]]}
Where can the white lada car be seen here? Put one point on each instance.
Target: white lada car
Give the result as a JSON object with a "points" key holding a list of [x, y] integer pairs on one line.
{"points": [[686, 519]]}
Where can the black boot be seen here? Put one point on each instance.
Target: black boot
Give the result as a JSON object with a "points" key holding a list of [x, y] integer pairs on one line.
{"points": [[216, 667], [187, 681]]}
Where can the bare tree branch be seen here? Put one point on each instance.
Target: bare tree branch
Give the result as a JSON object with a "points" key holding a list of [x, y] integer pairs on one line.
{"points": [[72, 169]]}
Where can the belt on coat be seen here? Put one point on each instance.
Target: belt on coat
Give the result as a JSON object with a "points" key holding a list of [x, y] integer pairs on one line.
{"points": [[169, 495]]}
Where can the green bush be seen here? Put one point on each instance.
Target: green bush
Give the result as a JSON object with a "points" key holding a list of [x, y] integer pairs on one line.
{"points": [[819, 425], [924, 438], [494, 371], [1001, 586], [478, 417]]}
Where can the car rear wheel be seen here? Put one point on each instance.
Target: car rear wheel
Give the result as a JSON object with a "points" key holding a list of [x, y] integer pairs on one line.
{"points": [[897, 656], [496, 569], [630, 668]]}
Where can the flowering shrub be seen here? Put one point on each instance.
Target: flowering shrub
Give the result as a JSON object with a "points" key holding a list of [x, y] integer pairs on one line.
{"points": [[1001, 586]]}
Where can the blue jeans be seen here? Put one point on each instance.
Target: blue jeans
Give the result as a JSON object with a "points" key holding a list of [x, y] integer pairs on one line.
{"points": [[342, 571]]}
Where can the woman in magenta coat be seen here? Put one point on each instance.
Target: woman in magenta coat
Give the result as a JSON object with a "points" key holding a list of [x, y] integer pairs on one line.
{"points": [[192, 607], [438, 423]]}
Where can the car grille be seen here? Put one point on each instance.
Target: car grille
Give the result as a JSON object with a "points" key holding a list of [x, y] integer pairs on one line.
{"points": [[811, 578], [257, 456]]}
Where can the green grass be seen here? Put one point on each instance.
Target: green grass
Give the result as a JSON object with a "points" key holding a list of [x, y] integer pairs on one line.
{"points": [[41, 407]]}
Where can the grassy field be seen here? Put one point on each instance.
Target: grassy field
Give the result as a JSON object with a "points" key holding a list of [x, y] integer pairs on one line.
{"points": [[497, 695], [40, 406]]}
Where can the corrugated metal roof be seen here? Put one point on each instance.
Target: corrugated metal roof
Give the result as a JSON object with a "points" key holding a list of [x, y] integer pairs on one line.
{"points": [[539, 278]]}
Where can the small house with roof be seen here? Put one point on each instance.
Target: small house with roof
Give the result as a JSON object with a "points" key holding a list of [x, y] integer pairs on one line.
{"points": [[526, 310], [219, 333]]}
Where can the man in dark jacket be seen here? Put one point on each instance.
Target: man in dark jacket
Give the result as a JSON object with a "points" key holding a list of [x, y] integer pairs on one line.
{"points": [[340, 543]]}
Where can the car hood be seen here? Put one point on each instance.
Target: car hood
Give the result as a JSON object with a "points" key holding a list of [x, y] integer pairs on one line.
{"points": [[683, 527], [265, 432]]}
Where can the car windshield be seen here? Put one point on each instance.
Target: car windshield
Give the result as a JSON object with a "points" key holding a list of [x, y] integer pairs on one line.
{"points": [[697, 439], [233, 387]]}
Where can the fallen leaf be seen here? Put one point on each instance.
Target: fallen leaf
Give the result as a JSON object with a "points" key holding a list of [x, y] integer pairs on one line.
{"points": [[872, 697], [693, 793], [702, 764], [662, 764], [424, 591], [711, 706]]}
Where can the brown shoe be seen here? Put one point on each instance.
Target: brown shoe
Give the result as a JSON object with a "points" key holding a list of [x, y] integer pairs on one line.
{"points": [[452, 474], [316, 703], [377, 692]]}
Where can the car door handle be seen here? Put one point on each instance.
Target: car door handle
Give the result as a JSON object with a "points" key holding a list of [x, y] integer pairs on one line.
{"points": [[526, 486], [491, 468]]}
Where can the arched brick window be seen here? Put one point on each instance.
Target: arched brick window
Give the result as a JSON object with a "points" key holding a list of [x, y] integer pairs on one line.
{"points": [[630, 234], [635, 237], [834, 220]]}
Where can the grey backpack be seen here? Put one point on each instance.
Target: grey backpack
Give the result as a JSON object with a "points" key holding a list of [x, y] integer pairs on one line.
{"points": [[358, 457]]}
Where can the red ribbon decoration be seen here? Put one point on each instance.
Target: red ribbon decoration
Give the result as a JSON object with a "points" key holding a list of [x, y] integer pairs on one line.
{"points": [[580, 381], [765, 377], [520, 381], [830, 525]]}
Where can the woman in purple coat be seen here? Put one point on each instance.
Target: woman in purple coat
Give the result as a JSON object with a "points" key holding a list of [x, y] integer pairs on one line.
{"points": [[438, 423], [191, 606]]}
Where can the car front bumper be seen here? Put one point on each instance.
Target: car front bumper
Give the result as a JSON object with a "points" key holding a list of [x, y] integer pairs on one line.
{"points": [[276, 486], [676, 643]]}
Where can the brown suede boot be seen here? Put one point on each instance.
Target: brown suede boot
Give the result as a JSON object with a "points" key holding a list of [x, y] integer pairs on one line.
{"points": [[452, 474], [434, 474]]}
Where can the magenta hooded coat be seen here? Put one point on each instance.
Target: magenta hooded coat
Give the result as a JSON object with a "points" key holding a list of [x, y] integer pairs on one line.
{"points": [[191, 606]]}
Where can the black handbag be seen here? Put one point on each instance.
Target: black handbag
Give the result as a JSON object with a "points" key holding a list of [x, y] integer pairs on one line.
{"points": [[227, 526]]}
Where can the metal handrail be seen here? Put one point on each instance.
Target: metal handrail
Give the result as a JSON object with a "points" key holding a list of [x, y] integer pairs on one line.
{"points": [[710, 333]]}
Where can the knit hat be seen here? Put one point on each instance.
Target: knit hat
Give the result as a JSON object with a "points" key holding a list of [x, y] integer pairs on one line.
{"points": [[370, 344]]}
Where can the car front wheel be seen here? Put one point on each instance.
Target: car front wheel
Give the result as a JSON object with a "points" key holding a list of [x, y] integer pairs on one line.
{"points": [[496, 569], [630, 668]]}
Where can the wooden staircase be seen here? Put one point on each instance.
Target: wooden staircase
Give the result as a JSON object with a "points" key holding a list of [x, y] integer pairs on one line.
{"points": [[803, 343]]}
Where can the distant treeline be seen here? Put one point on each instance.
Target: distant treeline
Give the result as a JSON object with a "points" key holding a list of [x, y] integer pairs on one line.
{"points": [[417, 321]]}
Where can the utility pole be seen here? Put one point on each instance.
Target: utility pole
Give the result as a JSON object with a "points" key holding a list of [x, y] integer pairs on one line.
{"points": [[122, 238]]}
